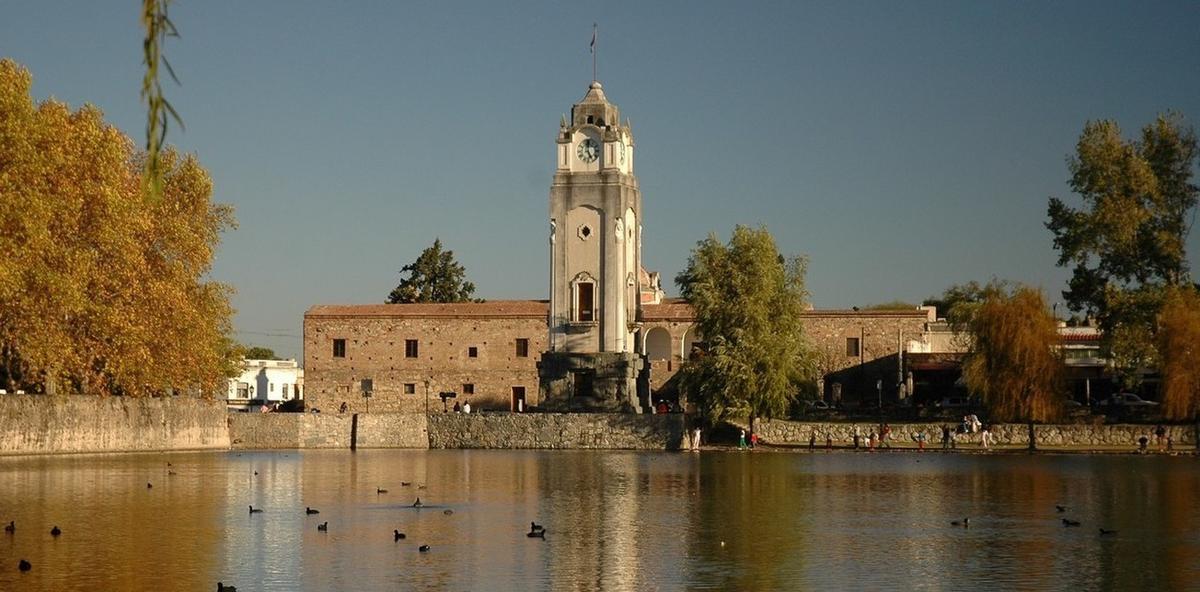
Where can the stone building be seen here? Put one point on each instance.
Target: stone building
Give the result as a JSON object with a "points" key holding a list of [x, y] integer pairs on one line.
{"points": [[487, 353], [606, 340]]}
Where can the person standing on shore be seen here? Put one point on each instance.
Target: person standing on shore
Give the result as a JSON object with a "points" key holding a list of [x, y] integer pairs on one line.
{"points": [[885, 433], [696, 439], [1160, 435], [742, 440], [986, 437], [945, 436]]}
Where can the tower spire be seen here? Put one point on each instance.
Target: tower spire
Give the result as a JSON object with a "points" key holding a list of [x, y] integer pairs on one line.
{"points": [[592, 48]]}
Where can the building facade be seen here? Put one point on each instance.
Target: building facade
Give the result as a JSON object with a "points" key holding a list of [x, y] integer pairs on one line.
{"points": [[488, 353], [265, 382]]}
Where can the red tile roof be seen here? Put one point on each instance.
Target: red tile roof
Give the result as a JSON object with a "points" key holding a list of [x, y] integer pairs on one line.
{"points": [[495, 309]]}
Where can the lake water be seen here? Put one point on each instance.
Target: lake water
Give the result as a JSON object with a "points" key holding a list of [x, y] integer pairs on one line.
{"points": [[614, 521]]}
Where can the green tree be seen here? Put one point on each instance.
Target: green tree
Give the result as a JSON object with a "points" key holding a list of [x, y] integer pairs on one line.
{"points": [[1126, 245], [434, 277], [891, 305], [1014, 363], [1179, 352], [259, 353], [101, 289], [748, 300]]}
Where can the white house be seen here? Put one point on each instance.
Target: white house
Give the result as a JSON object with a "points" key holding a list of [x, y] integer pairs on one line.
{"points": [[265, 382]]}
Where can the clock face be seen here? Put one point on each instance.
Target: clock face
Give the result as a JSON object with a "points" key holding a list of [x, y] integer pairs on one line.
{"points": [[588, 150]]}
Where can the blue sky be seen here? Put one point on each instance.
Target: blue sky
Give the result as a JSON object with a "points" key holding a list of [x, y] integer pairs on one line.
{"points": [[901, 146]]}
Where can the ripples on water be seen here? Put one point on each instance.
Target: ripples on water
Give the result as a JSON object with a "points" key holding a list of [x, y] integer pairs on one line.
{"points": [[615, 521]]}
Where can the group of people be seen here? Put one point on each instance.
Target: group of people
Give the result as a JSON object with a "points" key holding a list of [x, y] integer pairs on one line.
{"points": [[464, 408]]}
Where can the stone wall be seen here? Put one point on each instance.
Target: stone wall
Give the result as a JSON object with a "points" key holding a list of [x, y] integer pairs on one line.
{"points": [[289, 430], [42, 424], [1066, 435], [327, 430], [556, 430]]}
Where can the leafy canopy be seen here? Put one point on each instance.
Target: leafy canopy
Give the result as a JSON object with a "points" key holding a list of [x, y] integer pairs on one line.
{"points": [[748, 300], [101, 289], [1014, 364], [1126, 244], [259, 353], [434, 277]]}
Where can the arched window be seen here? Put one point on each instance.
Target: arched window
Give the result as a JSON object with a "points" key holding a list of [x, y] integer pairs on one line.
{"points": [[583, 290], [658, 344], [691, 340]]}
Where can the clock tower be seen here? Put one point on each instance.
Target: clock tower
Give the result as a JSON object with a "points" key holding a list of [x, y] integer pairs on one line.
{"points": [[594, 362]]}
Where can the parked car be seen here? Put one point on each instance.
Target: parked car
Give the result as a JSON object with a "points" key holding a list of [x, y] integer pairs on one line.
{"points": [[1127, 400], [949, 402]]}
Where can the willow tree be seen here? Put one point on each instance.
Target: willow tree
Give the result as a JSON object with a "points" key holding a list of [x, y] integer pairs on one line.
{"points": [[103, 290], [1179, 354], [747, 300], [1014, 363]]}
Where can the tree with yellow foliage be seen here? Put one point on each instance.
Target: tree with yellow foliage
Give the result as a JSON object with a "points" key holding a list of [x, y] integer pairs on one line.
{"points": [[103, 290], [1014, 363], [1179, 354]]}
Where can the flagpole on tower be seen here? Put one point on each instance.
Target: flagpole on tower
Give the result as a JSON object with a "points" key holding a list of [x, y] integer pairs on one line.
{"points": [[593, 50]]}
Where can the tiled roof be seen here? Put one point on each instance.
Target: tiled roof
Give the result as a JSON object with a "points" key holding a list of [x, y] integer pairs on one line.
{"points": [[495, 309], [677, 309]]}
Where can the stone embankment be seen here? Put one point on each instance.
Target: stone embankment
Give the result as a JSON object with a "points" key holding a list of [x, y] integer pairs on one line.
{"points": [[556, 430], [41, 424], [1066, 436]]}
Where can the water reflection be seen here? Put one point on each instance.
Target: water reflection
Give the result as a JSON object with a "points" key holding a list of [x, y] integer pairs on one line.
{"points": [[615, 521]]}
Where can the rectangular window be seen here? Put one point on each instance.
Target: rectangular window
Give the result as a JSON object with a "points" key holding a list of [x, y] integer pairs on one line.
{"points": [[243, 390], [468, 389], [585, 301], [410, 388], [472, 352], [339, 348], [285, 391], [410, 348], [522, 348], [852, 346], [272, 387]]}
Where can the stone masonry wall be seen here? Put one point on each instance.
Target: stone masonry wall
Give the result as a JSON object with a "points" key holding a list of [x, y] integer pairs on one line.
{"points": [[556, 430], [41, 424], [1066, 435], [375, 349]]}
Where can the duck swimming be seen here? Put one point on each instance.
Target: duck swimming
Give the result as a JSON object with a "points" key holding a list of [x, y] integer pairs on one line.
{"points": [[423, 548], [1105, 531], [379, 490], [324, 526], [534, 527], [1069, 522], [24, 565], [308, 510], [397, 535], [536, 534], [11, 527], [223, 588], [55, 531], [254, 510], [965, 523]]}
